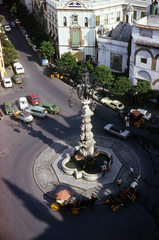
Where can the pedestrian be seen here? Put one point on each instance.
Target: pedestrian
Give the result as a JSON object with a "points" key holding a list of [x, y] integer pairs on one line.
{"points": [[108, 167], [92, 201], [119, 181], [131, 169]]}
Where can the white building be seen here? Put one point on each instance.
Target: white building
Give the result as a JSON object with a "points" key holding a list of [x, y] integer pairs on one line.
{"points": [[144, 59], [74, 25], [113, 47]]}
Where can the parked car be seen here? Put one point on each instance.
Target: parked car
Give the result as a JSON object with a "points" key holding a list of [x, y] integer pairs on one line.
{"points": [[35, 49], [24, 116], [13, 25], [30, 43], [17, 21], [17, 78], [33, 98], [24, 33], [50, 107], [37, 111], [117, 131], [8, 107], [7, 28], [43, 61], [145, 113], [27, 37], [18, 68], [97, 95], [23, 103], [113, 104], [7, 82]]}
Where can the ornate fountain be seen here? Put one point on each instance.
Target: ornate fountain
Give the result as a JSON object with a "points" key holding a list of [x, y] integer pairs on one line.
{"points": [[87, 149]]}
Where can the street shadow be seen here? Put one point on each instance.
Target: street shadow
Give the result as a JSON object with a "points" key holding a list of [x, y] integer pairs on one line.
{"points": [[54, 221]]}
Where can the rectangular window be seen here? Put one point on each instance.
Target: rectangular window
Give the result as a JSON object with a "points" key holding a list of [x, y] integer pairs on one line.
{"points": [[105, 18], [75, 38], [143, 14], [97, 20], [144, 60], [135, 15], [118, 16]]}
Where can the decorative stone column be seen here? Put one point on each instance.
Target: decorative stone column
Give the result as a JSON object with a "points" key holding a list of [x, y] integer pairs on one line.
{"points": [[86, 141]]}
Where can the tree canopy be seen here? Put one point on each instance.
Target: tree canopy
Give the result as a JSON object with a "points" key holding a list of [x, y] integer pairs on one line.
{"points": [[144, 91], [47, 49], [67, 61], [102, 75], [9, 53], [120, 86]]}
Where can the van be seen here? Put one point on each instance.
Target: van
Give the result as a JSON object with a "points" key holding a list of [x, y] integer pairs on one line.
{"points": [[37, 111]]}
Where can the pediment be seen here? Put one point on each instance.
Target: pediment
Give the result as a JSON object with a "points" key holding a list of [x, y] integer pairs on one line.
{"points": [[74, 4]]}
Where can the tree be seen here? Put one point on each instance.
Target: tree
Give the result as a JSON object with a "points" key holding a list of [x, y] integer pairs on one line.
{"points": [[120, 86], [102, 75], [144, 90], [1, 19], [67, 61], [47, 49], [9, 53]]}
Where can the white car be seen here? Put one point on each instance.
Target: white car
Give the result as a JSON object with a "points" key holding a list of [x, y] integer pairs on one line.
{"points": [[18, 68], [24, 116], [27, 37], [7, 28], [7, 82], [35, 49], [145, 113], [117, 131], [23, 103], [37, 111]]}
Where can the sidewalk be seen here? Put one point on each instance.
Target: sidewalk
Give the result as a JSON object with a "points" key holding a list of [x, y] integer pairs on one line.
{"points": [[52, 179]]}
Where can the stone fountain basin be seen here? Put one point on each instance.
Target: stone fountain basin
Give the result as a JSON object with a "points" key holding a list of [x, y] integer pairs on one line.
{"points": [[73, 172]]}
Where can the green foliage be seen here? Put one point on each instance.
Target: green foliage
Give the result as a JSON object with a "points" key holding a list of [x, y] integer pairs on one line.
{"points": [[1, 19], [102, 75], [47, 49], [80, 69], [9, 53], [67, 61], [144, 91], [120, 86], [90, 67]]}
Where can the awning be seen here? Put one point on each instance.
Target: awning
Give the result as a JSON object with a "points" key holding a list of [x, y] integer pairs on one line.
{"points": [[79, 56]]}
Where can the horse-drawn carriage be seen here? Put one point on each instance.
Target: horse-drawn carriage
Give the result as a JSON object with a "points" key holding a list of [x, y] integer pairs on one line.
{"points": [[135, 117], [127, 195], [64, 200]]}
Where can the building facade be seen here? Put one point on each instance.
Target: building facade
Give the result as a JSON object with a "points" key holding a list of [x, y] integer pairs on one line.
{"points": [[144, 59], [113, 47], [74, 25]]}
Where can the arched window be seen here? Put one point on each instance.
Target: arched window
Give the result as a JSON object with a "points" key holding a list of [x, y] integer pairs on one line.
{"points": [[86, 22], [64, 21]]}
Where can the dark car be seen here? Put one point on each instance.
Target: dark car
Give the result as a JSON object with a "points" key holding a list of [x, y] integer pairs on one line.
{"points": [[13, 25]]}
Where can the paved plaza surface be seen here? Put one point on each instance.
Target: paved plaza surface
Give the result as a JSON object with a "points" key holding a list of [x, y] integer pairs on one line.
{"points": [[50, 178]]}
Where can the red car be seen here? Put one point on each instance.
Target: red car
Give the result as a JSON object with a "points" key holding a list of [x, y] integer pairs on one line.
{"points": [[33, 99]]}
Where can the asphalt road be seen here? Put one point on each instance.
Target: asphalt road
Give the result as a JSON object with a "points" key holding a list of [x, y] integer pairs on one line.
{"points": [[24, 210]]}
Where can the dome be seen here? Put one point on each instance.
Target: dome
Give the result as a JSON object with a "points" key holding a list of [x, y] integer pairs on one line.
{"points": [[129, 8]]}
